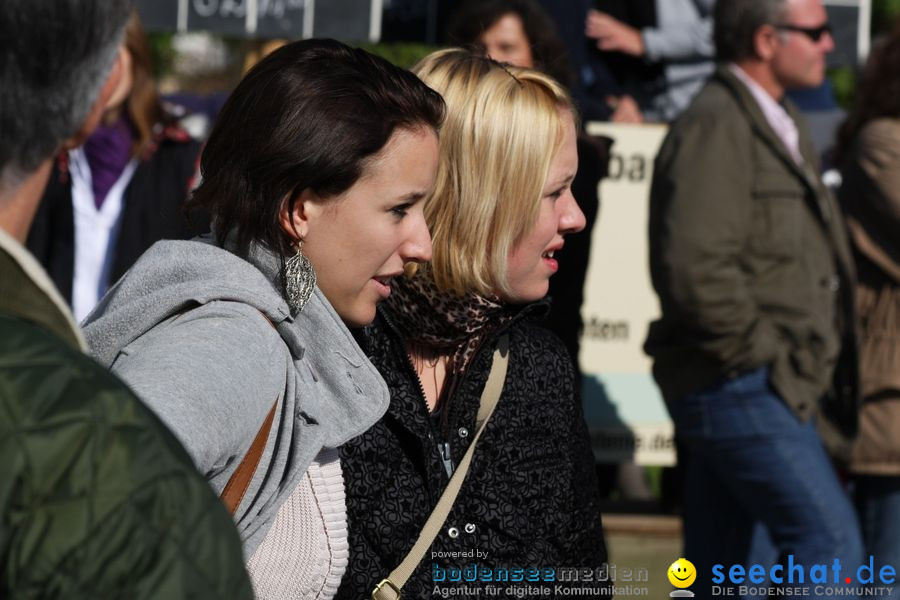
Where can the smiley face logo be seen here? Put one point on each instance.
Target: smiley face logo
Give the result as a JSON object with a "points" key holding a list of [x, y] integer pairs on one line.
{"points": [[682, 573]]}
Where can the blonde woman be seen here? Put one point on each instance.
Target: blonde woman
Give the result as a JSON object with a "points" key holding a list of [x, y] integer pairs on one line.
{"points": [[501, 208]]}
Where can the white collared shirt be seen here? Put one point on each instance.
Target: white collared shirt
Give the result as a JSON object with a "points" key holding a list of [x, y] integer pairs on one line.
{"points": [[778, 118], [96, 232]]}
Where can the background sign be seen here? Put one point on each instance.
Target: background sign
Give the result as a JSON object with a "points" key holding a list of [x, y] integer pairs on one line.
{"points": [[349, 20], [850, 21], [625, 412]]}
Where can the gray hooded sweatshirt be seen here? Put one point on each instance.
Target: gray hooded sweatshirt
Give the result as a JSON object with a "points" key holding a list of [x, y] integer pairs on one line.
{"points": [[185, 329]]}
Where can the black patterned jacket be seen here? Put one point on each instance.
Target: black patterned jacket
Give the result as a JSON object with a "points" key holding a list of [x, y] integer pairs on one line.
{"points": [[529, 499]]}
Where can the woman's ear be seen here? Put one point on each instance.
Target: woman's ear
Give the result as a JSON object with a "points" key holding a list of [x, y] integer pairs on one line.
{"points": [[294, 216]]}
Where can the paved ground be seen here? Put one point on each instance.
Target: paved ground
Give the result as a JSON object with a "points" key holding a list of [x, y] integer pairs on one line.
{"points": [[643, 542]]}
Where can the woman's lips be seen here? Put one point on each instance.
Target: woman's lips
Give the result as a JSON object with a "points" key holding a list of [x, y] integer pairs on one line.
{"points": [[548, 259], [383, 285]]}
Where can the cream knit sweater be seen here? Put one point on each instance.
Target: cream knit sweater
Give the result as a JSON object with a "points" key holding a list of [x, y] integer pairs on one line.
{"points": [[305, 552]]}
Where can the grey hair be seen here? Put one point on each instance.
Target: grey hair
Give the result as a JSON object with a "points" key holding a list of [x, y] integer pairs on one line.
{"points": [[736, 23], [55, 56]]}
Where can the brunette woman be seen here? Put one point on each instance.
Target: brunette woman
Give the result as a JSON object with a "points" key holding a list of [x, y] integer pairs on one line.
{"points": [[314, 175]]}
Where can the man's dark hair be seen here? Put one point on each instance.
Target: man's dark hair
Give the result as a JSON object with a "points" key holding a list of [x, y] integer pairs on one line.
{"points": [[736, 23], [55, 56], [474, 17], [308, 116]]}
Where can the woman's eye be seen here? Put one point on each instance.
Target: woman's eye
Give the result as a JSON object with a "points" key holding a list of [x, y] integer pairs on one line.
{"points": [[400, 210], [556, 193]]}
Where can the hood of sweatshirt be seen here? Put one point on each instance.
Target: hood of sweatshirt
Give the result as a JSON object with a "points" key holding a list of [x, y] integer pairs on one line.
{"points": [[175, 276]]}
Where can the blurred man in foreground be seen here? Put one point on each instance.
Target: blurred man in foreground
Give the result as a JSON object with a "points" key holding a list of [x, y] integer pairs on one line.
{"points": [[97, 499]]}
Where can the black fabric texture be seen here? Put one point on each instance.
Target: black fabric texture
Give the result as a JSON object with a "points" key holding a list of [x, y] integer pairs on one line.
{"points": [[530, 496]]}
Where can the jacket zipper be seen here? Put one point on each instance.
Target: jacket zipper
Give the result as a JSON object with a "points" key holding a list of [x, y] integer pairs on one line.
{"points": [[443, 448]]}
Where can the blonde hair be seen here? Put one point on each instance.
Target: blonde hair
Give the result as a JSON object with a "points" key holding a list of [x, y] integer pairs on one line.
{"points": [[503, 128]]}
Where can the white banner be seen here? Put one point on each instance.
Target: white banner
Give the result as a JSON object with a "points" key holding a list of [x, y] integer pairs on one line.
{"points": [[624, 409]]}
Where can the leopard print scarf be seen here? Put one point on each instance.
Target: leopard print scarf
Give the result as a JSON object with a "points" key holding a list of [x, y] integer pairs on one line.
{"points": [[448, 325]]}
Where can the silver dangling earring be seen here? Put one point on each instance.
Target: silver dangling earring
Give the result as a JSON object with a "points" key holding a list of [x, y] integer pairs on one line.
{"points": [[299, 280]]}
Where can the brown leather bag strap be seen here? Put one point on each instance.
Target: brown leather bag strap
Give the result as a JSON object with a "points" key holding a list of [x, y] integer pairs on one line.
{"points": [[240, 480]]}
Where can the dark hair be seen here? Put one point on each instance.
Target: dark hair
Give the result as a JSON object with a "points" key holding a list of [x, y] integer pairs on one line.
{"points": [[735, 23], [55, 56], [308, 116], [474, 17], [878, 94]]}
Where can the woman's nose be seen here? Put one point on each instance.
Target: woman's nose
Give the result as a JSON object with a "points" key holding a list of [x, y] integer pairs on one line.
{"points": [[571, 219], [418, 246]]}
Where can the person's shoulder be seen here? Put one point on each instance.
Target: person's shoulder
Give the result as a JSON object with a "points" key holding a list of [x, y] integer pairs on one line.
{"points": [[171, 129], [541, 372], [172, 143], [41, 371], [714, 105], [78, 435], [231, 323], [30, 349], [537, 343], [876, 154], [714, 124], [28, 294], [883, 132], [48, 383], [218, 347]]}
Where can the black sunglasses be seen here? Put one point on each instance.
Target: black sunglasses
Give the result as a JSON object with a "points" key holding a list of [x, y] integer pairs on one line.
{"points": [[813, 33]]}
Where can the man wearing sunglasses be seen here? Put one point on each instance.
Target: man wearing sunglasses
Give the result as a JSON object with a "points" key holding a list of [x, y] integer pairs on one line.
{"points": [[813, 33], [755, 350]]}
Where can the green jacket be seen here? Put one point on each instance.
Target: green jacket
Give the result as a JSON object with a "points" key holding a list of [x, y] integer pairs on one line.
{"points": [[750, 259], [97, 498]]}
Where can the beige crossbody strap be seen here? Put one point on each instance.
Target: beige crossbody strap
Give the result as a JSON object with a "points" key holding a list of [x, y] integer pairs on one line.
{"points": [[389, 589]]}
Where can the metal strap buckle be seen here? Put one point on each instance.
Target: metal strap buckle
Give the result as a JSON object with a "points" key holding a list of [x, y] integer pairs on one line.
{"points": [[386, 584]]}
